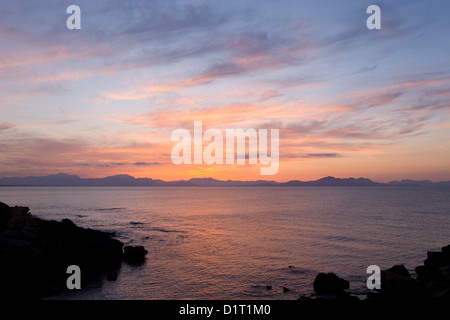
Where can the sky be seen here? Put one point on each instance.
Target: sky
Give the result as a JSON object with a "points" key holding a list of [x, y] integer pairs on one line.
{"points": [[105, 99]]}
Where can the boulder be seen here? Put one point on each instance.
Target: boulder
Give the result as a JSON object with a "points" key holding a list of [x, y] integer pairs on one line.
{"points": [[112, 276], [438, 259], [397, 284], [5, 216], [446, 249], [330, 283], [135, 254], [399, 270], [68, 224], [20, 217], [426, 273], [434, 275]]}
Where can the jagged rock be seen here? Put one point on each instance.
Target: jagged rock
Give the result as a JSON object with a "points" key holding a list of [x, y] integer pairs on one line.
{"points": [[135, 255], [437, 259], [67, 223], [112, 276], [20, 217], [426, 273], [329, 287], [5, 215], [35, 254], [397, 284], [14, 217], [434, 275], [330, 283], [400, 270], [446, 249]]}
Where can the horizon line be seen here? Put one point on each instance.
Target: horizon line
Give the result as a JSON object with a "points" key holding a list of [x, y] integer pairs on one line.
{"points": [[228, 180]]}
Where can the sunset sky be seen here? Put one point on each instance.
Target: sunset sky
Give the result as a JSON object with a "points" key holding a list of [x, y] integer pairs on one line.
{"points": [[104, 100]]}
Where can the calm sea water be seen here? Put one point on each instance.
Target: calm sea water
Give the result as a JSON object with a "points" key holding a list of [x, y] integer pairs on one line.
{"points": [[229, 243]]}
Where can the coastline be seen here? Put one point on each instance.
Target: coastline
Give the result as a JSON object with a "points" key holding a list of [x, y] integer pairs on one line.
{"points": [[432, 284], [35, 254]]}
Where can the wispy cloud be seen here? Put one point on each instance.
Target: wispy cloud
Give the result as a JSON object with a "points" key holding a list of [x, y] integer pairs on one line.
{"points": [[322, 155], [6, 126], [104, 99], [146, 163]]}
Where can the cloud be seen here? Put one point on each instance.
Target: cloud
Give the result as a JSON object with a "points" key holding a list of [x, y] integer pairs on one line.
{"points": [[118, 164], [6, 126], [322, 155], [106, 165], [83, 164], [331, 86], [146, 163]]}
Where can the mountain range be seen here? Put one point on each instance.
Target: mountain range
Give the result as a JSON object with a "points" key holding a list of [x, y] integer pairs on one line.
{"points": [[63, 179]]}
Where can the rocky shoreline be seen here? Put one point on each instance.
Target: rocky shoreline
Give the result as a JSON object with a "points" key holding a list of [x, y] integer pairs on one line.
{"points": [[432, 283], [35, 254]]}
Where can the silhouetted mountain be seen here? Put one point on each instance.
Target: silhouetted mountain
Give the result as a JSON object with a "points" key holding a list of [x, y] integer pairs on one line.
{"points": [[63, 179], [334, 182], [421, 183], [348, 182], [60, 179], [411, 183]]}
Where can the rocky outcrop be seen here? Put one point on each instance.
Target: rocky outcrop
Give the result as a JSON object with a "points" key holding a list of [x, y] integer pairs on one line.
{"points": [[435, 274], [432, 282], [397, 285], [135, 255], [328, 286], [329, 283], [35, 254]]}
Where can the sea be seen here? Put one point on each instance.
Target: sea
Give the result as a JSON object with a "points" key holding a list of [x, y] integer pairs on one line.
{"points": [[232, 242]]}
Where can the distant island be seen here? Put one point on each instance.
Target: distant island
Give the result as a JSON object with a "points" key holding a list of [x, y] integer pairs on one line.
{"points": [[124, 180]]}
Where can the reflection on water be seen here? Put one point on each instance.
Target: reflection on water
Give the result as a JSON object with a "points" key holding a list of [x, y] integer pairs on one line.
{"points": [[230, 243]]}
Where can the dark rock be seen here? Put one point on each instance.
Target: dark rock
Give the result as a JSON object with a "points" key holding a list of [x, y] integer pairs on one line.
{"points": [[400, 270], [330, 283], [20, 217], [286, 289], [425, 273], [397, 284], [354, 299], [112, 276], [437, 259], [434, 275], [67, 223], [35, 254], [268, 287], [135, 255], [446, 249], [5, 216]]}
